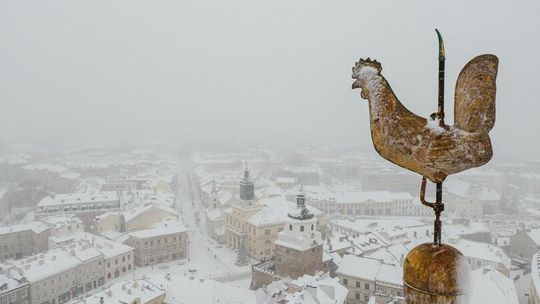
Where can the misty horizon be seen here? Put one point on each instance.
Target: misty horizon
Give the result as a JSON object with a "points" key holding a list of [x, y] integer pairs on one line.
{"points": [[209, 70]]}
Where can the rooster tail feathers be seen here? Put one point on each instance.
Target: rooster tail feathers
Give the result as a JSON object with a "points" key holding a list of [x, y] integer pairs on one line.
{"points": [[474, 108]]}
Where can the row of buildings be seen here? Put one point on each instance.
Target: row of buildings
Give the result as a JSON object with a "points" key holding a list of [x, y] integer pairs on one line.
{"points": [[77, 263]]}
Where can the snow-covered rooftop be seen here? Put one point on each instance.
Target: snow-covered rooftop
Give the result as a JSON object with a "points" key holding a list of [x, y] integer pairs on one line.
{"points": [[107, 247], [138, 210], [481, 251], [127, 292], [351, 197], [162, 228], [41, 266], [78, 198], [36, 227], [491, 286], [275, 210]]}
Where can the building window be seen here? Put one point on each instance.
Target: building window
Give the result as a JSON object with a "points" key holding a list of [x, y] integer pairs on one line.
{"points": [[267, 232], [357, 284], [345, 282], [290, 227], [311, 227], [366, 286], [301, 228]]}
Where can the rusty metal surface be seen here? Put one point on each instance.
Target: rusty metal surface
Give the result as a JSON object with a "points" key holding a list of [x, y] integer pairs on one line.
{"points": [[435, 274], [423, 145]]}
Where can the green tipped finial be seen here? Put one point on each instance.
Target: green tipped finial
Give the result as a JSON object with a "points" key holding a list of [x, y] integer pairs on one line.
{"points": [[441, 45]]}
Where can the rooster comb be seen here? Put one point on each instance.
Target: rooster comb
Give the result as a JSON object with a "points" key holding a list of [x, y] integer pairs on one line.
{"points": [[368, 62]]}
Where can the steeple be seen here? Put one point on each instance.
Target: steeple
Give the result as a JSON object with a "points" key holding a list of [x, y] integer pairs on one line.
{"points": [[247, 188], [301, 212]]}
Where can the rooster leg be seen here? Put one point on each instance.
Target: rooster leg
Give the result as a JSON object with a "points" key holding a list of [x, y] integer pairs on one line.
{"points": [[438, 207]]}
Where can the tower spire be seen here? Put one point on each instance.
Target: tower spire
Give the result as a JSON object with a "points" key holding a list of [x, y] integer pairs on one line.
{"points": [[300, 212], [247, 188]]}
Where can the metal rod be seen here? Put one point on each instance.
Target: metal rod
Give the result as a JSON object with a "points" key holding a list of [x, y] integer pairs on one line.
{"points": [[438, 208], [423, 193], [442, 57]]}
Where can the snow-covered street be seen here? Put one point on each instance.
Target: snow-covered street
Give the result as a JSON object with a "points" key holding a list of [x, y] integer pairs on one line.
{"points": [[206, 258]]}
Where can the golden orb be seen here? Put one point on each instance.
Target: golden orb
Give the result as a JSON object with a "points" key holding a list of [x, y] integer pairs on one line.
{"points": [[435, 274]]}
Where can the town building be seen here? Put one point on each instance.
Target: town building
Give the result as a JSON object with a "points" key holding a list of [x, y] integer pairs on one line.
{"points": [[318, 288], [298, 249], [366, 278], [53, 276], [264, 226], [13, 287], [239, 212], [218, 201], [491, 286], [63, 224], [164, 242], [118, 258], [129, 292], [85, 205], [471, 200], [525, 243], [137, 218], [18, 241]]}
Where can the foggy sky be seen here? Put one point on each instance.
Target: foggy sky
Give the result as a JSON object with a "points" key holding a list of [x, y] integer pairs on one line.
{"points": [[118, 70]]}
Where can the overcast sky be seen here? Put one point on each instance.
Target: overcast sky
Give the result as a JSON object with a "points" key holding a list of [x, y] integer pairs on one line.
{"points": [[117, 70]]}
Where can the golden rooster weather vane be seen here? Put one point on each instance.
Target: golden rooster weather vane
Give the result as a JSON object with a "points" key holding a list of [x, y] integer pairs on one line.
{"points": [[433, 149]]}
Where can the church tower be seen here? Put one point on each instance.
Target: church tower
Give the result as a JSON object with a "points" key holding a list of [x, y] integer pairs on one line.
{"points": [[247, 188], [299, 247]]}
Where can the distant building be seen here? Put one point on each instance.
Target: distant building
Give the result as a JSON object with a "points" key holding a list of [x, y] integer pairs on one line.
{"points": [[128, 184], [19, 241], [299, 249], [378, 203], [164, 242], [136, 218], [471, 200], [63, 224], [218, 201], [309, 175], [85, 205]]}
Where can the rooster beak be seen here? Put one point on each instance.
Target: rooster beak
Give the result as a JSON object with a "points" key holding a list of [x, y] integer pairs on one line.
{"points": [[355, 85]]}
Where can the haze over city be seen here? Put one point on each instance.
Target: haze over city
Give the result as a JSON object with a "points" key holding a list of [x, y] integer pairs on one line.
{"points": [[78, 71], [205, 152]]}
